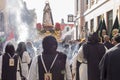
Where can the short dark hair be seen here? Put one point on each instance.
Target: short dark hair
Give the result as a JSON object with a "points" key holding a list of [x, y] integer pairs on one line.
{"points": [[117, 38], [93, 38]]}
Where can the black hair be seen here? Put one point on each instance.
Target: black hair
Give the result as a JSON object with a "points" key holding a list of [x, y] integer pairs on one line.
{"points": [[93, 38], [21, 48], [117, 38]]}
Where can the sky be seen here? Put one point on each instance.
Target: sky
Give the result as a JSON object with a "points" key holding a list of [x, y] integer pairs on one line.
{"points": [[60, 8]]}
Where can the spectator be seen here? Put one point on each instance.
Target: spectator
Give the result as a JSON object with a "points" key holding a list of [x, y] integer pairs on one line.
{"points": [[107, 42], [109, 65], [113, 41]]}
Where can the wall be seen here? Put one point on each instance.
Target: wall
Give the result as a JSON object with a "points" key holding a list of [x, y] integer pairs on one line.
{"points": [[2, 4], [102, 7], [2, 10]]}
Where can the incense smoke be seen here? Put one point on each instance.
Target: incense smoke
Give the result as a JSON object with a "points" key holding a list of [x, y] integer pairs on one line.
{"points": [[20, 21]]}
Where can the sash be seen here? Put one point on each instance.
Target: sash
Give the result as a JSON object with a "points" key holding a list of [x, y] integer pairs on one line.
{"points": [[1, 57], [57, 69]]}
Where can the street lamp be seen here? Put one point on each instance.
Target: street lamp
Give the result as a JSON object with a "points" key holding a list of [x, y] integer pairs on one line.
{"points": [[72, 18]]}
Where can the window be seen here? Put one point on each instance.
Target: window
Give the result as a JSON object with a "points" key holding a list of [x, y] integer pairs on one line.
{"points": [[86, 25], [86, 29], [91, 25], [70, 18], [77, 5], [86, 4], [98, 20], [67, 29], [109, 20], [92, 2], [97, 1]]}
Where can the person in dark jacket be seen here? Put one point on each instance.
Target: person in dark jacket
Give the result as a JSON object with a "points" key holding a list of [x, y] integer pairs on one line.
{"points": [[110, 65]]}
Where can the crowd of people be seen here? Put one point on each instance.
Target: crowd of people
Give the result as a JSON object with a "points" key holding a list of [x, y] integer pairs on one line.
{"points": [[91, 60], [97, 59]]}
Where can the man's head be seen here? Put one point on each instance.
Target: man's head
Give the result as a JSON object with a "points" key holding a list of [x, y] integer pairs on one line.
{"points": [[117, 38], [103, 32], [106, 38]]}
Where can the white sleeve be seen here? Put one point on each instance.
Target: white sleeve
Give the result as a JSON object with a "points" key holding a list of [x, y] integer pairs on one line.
{"points": [[74, 67], [0, 66], [68, 71], [106, 49], [27, 57], [80, 56], [33, 72]]}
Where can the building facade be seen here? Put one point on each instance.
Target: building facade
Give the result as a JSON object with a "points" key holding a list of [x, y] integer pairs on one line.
{"points": [[92, 11], [3, 18]]}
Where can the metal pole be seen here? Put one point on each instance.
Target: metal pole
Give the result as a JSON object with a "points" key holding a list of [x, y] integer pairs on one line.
{"points": [[75, 22], [76, 26], [76, 32]]}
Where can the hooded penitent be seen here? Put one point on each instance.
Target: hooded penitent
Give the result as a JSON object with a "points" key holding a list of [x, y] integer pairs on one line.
{"points": [[93, 52], [49, 54], [9, 69], [93, 38]]}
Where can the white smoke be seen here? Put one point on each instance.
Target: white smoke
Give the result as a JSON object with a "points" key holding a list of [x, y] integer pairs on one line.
{"points": [[18, 21], [70, 34], [22, 28]]}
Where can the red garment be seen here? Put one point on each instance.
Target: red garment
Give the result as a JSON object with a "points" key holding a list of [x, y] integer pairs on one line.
{"points": [[11, 36]]}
